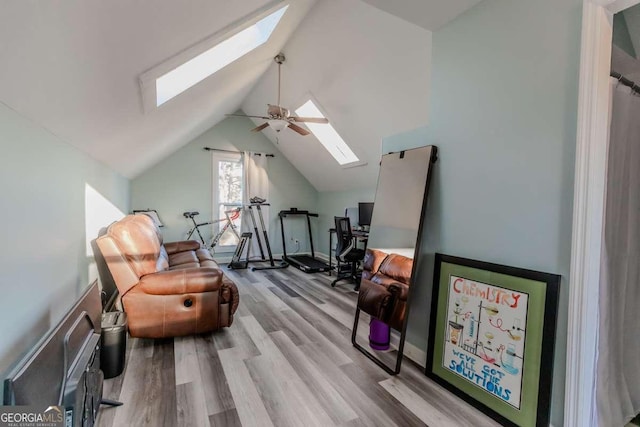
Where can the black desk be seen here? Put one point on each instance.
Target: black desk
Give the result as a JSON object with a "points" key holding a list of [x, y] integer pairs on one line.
{"points": [[358, 235]]}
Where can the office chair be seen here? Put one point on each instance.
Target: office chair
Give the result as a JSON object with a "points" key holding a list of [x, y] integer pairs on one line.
{"points": [[346, 252]]}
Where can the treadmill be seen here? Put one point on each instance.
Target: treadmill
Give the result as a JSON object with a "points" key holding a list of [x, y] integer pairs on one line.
{"points": [[305, 262]]}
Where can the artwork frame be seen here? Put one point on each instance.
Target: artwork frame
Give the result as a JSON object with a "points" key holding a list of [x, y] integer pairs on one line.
{"points": [[492, 337]]}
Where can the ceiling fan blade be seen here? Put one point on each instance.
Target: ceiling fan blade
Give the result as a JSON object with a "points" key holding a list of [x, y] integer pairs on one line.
{"points": [[259, 128], [251, 117], [311, 120], [302, 131]]}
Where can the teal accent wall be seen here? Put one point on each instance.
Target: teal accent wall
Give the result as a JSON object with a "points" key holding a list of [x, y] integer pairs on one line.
{"points": [[332, 204], [44, 264], [504, 113], [183, 182]]}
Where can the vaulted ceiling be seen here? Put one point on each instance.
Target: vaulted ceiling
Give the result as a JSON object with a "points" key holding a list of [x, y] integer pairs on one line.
{"points": [[73, 68], [371, 84]]}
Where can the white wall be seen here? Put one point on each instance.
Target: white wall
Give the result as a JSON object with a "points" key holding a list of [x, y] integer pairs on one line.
{"points": [[44, 264], [504, 114], [369, 70], [182, 182]]}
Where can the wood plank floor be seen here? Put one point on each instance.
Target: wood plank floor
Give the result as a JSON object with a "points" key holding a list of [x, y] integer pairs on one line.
{"points": [[287, 360]]}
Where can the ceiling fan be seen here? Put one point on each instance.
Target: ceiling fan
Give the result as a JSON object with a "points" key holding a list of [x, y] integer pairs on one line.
{"points": [[279, 117]]}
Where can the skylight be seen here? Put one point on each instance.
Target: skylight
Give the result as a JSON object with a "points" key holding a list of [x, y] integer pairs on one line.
{"points": [[224, 53], [327, 135]]}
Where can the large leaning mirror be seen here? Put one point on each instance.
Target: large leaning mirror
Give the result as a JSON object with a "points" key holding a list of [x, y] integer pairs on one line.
{"points": [[388, 275]]}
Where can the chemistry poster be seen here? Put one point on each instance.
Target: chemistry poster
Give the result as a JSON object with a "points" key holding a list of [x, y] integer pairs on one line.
{"points": [[485, 337], [491, 337]]}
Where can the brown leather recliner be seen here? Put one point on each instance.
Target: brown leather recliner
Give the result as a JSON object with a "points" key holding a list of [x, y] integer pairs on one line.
{"points": [[385, 286], [167, 290]]}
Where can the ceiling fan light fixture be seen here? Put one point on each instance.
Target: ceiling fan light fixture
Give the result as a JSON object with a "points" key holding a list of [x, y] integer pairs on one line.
{"points": [[278, 125]]}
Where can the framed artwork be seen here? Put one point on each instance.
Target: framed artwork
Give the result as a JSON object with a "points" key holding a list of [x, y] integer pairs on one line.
{"points": [[491, 337]]}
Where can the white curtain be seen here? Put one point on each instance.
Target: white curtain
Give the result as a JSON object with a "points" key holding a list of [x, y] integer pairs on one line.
{"points": [[618, 358], [256, 184]]}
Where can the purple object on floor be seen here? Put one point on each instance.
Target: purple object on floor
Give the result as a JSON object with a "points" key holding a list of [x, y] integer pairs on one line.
{"points": [[379, 334]]}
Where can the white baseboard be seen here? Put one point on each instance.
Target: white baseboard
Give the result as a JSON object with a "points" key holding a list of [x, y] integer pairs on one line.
{"points": [[416, 354], [411, 351]]}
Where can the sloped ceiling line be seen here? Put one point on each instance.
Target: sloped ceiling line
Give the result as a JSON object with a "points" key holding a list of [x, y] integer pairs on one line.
{"points": [[67, 68]]}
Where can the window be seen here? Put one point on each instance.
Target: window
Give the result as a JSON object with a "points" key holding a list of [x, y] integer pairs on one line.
{"points": [[219, 56], [227, 195], [327, 135]]}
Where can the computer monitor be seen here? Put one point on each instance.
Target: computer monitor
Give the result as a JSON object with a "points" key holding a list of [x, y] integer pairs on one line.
{"points": [[365, 211], [47, 374]]}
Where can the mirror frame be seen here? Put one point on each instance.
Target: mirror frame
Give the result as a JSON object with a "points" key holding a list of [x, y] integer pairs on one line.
{"points": [[403, 333]]}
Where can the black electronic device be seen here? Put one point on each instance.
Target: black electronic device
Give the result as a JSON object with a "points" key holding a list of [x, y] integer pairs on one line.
{"points": [[365, 212], [304, 262], [113, 343], [82, 391], [63, 368], [113, 339]]}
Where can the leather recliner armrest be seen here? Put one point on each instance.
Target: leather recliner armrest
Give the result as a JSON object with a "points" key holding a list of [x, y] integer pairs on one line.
{"points": [[373, 299], [185, 281], [182, 246]]}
